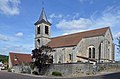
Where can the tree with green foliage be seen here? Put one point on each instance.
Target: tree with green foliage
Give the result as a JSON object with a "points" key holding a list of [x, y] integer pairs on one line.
{"points": [[4, 58], [41, 58]]}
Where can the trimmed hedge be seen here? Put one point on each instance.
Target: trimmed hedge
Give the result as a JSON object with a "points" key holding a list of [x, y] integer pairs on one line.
{"points": [[56, 73]]}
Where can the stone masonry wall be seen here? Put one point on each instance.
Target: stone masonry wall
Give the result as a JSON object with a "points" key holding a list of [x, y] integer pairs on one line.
{"points": [[68, 69]]}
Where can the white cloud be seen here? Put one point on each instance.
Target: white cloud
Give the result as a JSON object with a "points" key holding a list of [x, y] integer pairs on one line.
{"points": [[19, 34], [117, 35], [74, 25], [108, 17], [9, 7], [3, 37], [50, 20], [52, 15], [55, 16], [26, 48], [8, 38], [15, 43]]}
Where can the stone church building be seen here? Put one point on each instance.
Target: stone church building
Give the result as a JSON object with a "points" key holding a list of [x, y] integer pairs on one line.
{"points": [[88, 46]]}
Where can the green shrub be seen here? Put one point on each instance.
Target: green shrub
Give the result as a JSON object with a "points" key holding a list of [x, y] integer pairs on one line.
{"points": [[56, 73], [35, 72], [9, 70], [32, 66], [101, 68]]}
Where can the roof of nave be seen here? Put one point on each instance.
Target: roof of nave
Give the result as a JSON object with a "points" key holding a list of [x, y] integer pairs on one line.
{"points": [[74, 39]]}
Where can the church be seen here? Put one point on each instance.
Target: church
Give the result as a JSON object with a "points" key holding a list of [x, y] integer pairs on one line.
{"points": [[89, 46]]}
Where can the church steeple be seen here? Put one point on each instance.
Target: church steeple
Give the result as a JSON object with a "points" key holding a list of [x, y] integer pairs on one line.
{"points": [[43, 18], [43, 15], [42, 30]]}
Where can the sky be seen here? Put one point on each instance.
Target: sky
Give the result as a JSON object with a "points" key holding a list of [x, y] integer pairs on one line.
{"points": [[17, 18]]}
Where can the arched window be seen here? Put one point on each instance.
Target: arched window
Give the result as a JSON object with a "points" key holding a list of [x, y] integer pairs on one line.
{"points": [[38, 30], [93, 53], [38, 42], [89, 52], [70, 56], [46, 30]]}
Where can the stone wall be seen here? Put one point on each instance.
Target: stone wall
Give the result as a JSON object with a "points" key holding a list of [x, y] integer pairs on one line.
{"points": [[104, 48], [21, 69], [107, 53], [62, 54], [76, 69], [68, 69]]}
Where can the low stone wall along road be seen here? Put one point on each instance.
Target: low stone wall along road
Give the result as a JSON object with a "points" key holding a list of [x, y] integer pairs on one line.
{"points": [[9, 75]]}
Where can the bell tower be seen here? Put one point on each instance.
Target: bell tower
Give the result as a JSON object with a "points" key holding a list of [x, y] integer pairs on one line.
{"points": [[42, 30]]}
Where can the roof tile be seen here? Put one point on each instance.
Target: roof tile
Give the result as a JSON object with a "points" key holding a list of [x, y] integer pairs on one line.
{"points": [[17, 58], [74, 39]]}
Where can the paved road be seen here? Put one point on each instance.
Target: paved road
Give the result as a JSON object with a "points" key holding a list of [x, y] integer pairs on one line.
{"points": [[7, 75]]}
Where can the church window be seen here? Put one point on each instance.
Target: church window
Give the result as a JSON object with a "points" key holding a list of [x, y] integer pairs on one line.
{"points": [[93, 52], [70, 56], [46, 30], [89, 52], [38, 30], [38, 41], [108, 42]]}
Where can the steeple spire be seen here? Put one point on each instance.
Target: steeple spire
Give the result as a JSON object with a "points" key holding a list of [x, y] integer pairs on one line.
{"points": [[43, 18], [42, 30], [43, 15]]}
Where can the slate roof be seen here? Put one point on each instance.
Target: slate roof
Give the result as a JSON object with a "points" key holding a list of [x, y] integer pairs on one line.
{"points": [[43, 18], [74, 39], [17, 58]]}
